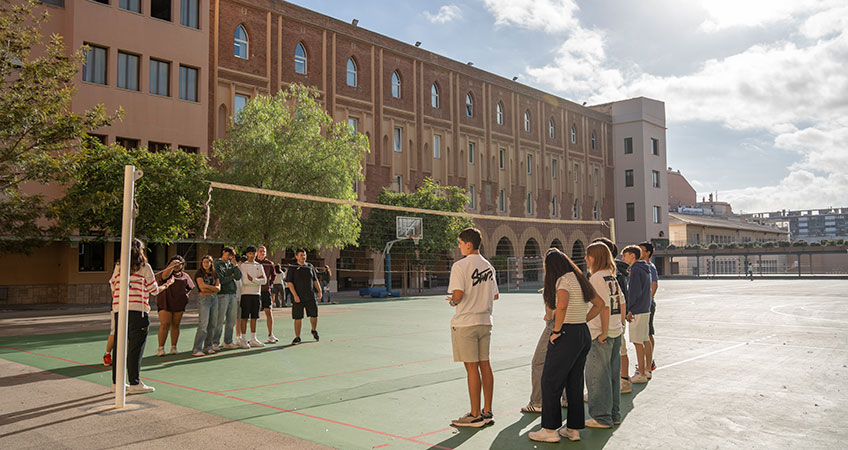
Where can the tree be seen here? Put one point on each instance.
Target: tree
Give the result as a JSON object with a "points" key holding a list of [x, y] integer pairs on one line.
{"points": [[37, 126], [288, 142], [440, 232], [170, 195]]}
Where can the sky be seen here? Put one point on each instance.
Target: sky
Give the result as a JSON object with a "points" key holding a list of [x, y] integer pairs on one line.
{"points": [[755, 91]]}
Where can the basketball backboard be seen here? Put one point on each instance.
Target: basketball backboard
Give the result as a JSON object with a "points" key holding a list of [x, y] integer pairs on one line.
{"points": [[409, 228]]}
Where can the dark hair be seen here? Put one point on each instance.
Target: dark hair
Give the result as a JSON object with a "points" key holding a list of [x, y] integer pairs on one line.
{"points": [[634, 249], [243, 258], [250, 249], [277, 268], [610, 245], [177, 258], [648, 246], [300, 250], [558, 264], [229, 250], [137, 256], [211, 266], [473, 236]]}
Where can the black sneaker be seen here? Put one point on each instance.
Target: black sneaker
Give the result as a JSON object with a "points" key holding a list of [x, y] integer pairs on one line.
{"points": [[488, 418], [296, 340], [315, 335]]}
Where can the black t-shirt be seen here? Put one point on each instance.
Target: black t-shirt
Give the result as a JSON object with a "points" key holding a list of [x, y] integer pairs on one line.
{"points": [[303, 278]]}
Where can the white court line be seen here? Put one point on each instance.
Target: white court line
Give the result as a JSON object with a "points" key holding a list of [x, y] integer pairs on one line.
{"points": [[665, 366], [773, 309], [806, 347], [754, 324]]}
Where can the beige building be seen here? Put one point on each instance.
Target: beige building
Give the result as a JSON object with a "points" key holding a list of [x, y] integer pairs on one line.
{"points": [[681, 194]]}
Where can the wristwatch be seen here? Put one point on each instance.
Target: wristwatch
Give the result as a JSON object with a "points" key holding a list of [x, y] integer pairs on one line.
{"points": [[556, 332]]}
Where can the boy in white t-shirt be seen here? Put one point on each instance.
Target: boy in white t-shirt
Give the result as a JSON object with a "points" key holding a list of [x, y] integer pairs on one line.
{"points": [[473, 288]]}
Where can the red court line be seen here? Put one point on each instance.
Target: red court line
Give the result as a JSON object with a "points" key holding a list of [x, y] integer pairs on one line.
{"points": [[310, 416], [337, 374]]}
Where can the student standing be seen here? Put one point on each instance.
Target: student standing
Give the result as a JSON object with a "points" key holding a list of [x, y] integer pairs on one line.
{"points": [[208, 287], [569, 293], [603, 360], [303, 284], [621, 272], [265, 294], [639, 309], [172, 302], [228, 275], [647, 252], [278, 292], [253, 277], [473, 288]]}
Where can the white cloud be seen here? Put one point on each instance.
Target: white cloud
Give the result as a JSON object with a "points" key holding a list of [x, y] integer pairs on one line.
{"points": [[724, 14], [549, 15], [447, 13], [801, 189]]}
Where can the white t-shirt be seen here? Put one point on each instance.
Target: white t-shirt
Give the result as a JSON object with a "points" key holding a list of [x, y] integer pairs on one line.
{"points": [[607, 288], [475, 277], [577, 308]]}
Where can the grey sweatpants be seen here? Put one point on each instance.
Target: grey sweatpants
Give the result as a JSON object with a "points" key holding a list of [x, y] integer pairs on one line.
{"points": [[538, 364]]}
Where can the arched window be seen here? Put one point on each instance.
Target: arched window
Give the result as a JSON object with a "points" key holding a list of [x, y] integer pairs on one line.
{"points": [[434, 95], [575, 212], [595, 212], [395, 84], [469, 105], [551, 129], [300, 59], [241, 42], [573, 134], [500, 114], [527, 121], [351, 72], [593, 140]]}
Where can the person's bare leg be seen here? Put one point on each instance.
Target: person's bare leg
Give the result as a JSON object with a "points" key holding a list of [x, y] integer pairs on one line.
{"points": [[253, 326], [625, 366], [175, 328], [164, 326], [314, 322], [297, 325], [269, 320], [640, 357], [474, 384], [110, 343], [649, 354], [488, 379], [242, 327]]}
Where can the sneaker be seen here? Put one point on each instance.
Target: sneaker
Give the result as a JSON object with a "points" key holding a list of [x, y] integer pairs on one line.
{"points": [[296, 340], [653, 365], [160, 351], [592, 423], [648, 374], [639, 379], [216, 348], [469, 421], [230, 346], [626, 386], [174, 350], [488, 418], [532, 409], [107, 359], [197, 353], [272, 339], [255, 343], [544, 435], [568, 433], [140, 388], [315, 335], [210, 351], [243, 343]]}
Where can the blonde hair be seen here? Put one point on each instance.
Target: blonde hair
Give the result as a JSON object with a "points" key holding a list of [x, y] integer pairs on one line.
{"points": [[601, 258]]}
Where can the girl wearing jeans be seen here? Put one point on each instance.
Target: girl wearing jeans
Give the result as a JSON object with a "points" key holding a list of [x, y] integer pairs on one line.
{"points": [[568, 293], [207, 307]]}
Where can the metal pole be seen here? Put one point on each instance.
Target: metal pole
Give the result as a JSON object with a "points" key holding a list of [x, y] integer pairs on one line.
{"points": [[123, 299], [612, 229]]}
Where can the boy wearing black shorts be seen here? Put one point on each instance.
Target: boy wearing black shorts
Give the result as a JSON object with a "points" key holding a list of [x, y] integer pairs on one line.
{"points": [[303, 284], [253, 277]]}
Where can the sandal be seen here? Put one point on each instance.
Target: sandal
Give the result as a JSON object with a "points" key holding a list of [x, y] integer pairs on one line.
{"points": [[531, 409]]}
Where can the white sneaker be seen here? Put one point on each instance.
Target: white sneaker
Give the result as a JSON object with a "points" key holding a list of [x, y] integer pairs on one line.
{"points": [[272, 339], [592, 423], [626, 386], [216, 348], [243, 343], [160, 351], [544, 435], [255, 343], [568, 433], [174, 350], [140, 388], [638, 379], [230, 346], [197, 353], [469, 421]]}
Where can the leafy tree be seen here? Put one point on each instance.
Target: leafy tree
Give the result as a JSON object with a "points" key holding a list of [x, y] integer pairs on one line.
{"points": [[440, 232], [170, 195], [288, 142], [37, 126]]}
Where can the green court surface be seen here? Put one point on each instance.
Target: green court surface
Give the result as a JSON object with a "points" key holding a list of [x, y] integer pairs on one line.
{"points": [[740, 365]]}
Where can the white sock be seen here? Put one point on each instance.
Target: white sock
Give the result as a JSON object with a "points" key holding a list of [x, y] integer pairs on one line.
{"points": [[253, 336]]}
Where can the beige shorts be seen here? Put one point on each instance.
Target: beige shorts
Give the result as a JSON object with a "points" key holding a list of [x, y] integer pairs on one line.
{"points": [[471, 344], [639, 328]]}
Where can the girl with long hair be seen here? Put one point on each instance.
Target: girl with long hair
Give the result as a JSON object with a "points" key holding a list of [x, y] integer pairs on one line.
{"points": [[570, 295], [207, 307], [172, 302]]}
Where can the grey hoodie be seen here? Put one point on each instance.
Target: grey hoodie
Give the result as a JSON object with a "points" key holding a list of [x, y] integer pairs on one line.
{"points": [[639, 288]]}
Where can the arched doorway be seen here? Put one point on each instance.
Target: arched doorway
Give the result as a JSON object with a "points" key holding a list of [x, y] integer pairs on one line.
{"points": [[503, 251], [532, 262], [556, 244], [578, 255]]}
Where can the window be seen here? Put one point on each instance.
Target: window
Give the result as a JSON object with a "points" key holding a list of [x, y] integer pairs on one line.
{"points": [[94, 69], [551, 129], [529, 164], [241, 42], [655, 178], [593, 140], [499, 116], [130, 5], [127, 71], [189, 13], [658, 215], [576, 173], [527, 121], [239, 102], [573, 134], [554, 169], [351, 72], [161, 9], [59, 3], [300, 59], [398, 139], [354, 123], [127, 143], [395, 85], [596, 176], [628, 178], [628, 145], [187, 149], [501, 159], [471, 195], [469, 105], [398, 183], [437, 146], [529, 203], [157, 147], [92, 256], [596, 213], [575, 210], [554, 207], [105, 2], [470, 153], [160, 74], [655, 146], [188, 83], [631, 212], [501, 201], [434, 95]]}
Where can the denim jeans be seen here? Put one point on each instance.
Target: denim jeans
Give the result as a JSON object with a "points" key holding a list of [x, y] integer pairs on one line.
{"points": [[207, 312], [538, 363], [227, 313], [603, 367]]}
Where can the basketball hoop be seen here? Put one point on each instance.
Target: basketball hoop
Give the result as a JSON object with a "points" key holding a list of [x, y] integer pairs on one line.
{"points": [[415, 238]]}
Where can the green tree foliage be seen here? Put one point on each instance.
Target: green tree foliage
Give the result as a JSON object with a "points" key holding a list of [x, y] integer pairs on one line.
{"points": [[37, 126], [440, 232], [288, 142], [170, 195]]}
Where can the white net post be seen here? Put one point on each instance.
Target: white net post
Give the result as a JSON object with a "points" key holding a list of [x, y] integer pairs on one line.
{"points": [[130, 175]]}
